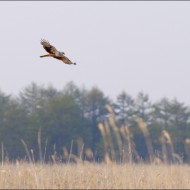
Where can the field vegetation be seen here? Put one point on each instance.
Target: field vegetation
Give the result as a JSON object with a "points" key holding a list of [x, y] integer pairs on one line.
{"points": [[78, 138], [85, 175]]}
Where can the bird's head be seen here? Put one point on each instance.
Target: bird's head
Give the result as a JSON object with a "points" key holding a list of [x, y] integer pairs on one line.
{"points": [[62, 52]]}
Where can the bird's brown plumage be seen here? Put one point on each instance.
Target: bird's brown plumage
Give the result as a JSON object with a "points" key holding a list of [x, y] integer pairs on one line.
{"points": [[54, 53], [48, 47]]}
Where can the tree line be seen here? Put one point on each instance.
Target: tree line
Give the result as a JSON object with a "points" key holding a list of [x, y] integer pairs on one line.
{"points": [[47, 121]]}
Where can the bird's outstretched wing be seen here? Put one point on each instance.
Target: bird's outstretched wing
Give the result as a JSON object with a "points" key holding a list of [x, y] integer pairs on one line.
{"points": [[67, 60], [48, 47]]}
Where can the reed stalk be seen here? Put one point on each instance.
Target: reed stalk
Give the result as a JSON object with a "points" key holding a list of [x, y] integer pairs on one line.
{"points": [[144, 129], [26, 149], [40, 145]]}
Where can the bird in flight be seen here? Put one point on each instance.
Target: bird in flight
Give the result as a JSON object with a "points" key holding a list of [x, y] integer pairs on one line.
{"points": [[52, 52]]}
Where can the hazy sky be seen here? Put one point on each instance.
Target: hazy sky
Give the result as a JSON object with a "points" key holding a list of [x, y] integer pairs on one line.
{"points": [[125, 45]]}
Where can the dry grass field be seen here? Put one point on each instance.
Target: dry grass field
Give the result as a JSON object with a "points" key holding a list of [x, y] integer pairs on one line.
{"points": [[94, 176], [166, 171]]}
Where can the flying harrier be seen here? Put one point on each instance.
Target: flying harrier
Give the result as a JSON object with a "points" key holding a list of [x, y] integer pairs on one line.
{"points": [[54, 53]]}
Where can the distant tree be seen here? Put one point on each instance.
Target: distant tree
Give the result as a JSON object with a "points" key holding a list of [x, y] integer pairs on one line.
{"points": [[63, 123], [175, 118], [78, 94], [143, 107], [30, 98], [124, 108], [179, 114], [12, 126], [171, 114], [4, 103], [94, 110], [48, 92], [161, 112]]}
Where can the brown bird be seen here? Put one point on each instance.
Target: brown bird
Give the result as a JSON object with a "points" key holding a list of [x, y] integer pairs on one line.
{"points": [[54, 53]]}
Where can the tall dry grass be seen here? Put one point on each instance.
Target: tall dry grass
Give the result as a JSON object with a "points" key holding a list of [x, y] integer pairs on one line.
{"points": [[187, 148], [126, 146], [118, 144], [93, 176]]}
